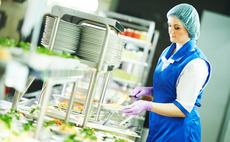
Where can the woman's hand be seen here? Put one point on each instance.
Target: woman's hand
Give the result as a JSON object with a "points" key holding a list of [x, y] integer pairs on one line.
{"points": [[165, 109], [138, 107], [140, 91]]}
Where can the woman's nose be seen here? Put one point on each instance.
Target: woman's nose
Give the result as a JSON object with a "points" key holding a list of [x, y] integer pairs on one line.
{"points": [[171, 30]]}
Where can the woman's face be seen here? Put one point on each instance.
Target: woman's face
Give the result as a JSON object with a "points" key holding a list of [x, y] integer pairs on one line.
{"points": [[177, 32]]}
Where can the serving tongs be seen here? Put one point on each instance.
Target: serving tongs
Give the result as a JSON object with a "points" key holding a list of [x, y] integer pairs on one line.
{"points": [[120, 101]]}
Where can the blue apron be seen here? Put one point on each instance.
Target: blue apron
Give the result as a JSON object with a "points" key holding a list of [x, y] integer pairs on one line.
{"points": [[175, 129]]}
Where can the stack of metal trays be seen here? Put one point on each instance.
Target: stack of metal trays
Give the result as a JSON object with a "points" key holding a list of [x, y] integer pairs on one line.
{"points": [[85, 40], [49, 25], [67, 37], [91, 43]]}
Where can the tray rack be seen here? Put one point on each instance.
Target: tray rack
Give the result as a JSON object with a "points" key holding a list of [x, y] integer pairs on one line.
{"points": [[78, 17]]}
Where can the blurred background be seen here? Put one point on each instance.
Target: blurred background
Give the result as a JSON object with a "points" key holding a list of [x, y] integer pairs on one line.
{"points": [[214, 42]]}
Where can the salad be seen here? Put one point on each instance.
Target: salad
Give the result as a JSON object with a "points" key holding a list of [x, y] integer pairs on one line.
{"points": [[6, 42]]}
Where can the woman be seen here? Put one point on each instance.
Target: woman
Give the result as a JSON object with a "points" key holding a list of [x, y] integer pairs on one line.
{"points": [[180, 77]]}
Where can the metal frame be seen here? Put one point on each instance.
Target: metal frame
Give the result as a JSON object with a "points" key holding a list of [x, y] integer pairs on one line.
{"points": [[109, 24], [50, 82], [152, 49], [130, 21], [61, 11], [18, 95]]}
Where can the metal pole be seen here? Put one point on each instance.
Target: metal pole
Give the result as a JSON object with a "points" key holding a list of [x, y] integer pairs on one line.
{"points": [[45, 99], [18, 95], [90, 98], [71, 101], [89, 90], [43, 91], [99, 68], [104, 48], [64, 89], [54, 33], [102, 97], [152, 51], [15, 100]]}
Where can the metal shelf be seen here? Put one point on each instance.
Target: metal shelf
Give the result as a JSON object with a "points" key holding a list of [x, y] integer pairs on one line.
{"points": [[148, 46], [138, 42], [124, 81], [80, 16], [135, 62]]}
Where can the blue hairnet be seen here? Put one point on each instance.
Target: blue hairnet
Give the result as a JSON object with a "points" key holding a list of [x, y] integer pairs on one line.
{"points": [[189, 17]]}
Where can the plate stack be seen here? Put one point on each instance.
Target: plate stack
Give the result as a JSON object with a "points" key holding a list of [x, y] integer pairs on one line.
{"points": [[91, 43], [86, 41], [67, 38], [47, 31]]}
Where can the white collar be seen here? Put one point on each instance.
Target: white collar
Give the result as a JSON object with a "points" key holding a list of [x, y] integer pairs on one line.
{"points": [[170, 60], [166, 62]]}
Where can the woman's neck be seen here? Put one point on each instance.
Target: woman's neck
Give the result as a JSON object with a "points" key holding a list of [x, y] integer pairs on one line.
{"points": [[179, 45]]}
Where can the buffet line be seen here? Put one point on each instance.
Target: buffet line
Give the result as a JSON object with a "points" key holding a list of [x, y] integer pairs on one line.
{"points": [[58, 113], [66, 108]]}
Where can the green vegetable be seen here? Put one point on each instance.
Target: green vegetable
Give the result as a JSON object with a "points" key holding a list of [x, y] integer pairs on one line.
{"points": [[28, 126], [87, 132], [15, 113], [32, 110], [66, 55], [7, 119], [71, 138], [46, 51], [69, 123], [121, 140], [48, 123], [6, 42], [25, 45]]}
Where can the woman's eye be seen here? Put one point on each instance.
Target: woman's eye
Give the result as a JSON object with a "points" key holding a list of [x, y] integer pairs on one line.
{"points": [[177, 28]]}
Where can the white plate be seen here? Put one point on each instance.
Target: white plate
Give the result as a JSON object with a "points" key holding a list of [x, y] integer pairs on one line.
{"points": [[66, 97], [34, 116], [56, 49], [91, 48], [113, 107], [112, 129], [85, 46], [68, 35], [96, 58], [88, 54], [70, 45]]}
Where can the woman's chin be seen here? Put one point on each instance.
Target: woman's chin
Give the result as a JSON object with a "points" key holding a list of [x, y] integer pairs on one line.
{"points": [[173, 41]]}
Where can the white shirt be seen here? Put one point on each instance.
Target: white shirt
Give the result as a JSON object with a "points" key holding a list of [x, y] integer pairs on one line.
{"points": [[190, 81]]}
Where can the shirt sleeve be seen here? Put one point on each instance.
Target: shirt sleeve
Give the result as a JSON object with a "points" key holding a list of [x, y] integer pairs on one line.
{"points": [[190, 83]]}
